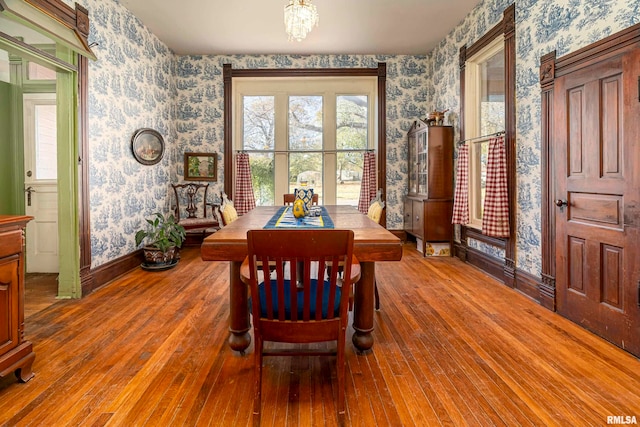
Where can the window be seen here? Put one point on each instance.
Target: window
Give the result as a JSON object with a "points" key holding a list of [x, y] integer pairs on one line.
{"points": [[309, 132], [484, 113]]}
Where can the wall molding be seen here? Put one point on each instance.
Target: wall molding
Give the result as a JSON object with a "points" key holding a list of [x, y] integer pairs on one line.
{"points": [[108, 271], [525, 283]]}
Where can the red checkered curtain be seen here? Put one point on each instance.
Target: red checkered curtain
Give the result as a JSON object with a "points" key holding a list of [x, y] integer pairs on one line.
{"points": [[243, 200], [495, 216], [461, 195], [369, 185]]}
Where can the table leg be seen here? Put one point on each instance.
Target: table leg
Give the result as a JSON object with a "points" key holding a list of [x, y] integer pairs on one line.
{"points": [[363, 308], [239, 339]]}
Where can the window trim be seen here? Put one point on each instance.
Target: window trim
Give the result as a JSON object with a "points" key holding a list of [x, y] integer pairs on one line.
{"points": [[506, 29], [470, 106], [330, 89], [380, 72]]}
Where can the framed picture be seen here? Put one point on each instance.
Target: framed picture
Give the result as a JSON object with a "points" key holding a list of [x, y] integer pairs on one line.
{"points": [[147, 146], [200, 166]]}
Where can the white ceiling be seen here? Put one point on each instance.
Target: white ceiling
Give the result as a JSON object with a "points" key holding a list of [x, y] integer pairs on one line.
{"points": [[412, 27]]}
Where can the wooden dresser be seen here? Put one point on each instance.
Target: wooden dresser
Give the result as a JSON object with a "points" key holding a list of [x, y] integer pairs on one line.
{"points": [[16, 354]]}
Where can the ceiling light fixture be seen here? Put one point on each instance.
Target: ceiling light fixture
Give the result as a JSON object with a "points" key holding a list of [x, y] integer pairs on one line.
{"points": [[300, 16]]}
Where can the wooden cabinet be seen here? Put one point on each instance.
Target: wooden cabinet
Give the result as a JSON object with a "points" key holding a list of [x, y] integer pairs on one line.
{"points": [[428, 206], [16, 354]]}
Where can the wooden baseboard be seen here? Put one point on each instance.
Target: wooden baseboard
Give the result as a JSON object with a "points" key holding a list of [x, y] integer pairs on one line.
{"points": [[520, 280], [490, 265], [112, 269], [528, 284]]}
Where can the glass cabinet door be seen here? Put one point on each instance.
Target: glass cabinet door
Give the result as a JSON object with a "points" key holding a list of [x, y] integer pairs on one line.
{"points": [[413, 167], [423, 162]]}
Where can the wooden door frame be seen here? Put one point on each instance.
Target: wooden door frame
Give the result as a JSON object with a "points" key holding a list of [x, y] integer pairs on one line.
{"points": [[72, 94], [551, 68]]}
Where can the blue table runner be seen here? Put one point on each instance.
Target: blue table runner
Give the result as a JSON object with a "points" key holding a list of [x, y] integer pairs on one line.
{"points": [[284, 219]]}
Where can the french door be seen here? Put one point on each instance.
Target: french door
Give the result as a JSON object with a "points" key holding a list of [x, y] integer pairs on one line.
{"points": [[306, 133]]}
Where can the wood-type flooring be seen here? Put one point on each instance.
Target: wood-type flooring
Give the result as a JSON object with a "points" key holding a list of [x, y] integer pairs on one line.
{"points": [[453, 347]]}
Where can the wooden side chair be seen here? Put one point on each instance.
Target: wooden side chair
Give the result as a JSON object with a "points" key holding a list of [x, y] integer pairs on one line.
{"points": [[290, 198], [193, 211], [308, 310], [375, 213], [227, 213]]}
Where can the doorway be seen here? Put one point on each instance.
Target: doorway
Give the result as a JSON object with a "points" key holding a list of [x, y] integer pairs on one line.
{"points": [[27, 77]]}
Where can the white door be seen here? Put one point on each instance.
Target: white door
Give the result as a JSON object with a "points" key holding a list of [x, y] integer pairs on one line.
{"points": [[40, 182]]}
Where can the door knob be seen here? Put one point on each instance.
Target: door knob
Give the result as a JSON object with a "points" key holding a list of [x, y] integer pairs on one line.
{"points": [[560, 203]]}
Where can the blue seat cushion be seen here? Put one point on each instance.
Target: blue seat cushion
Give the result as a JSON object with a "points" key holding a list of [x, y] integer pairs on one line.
{"points": [[300, 303]]}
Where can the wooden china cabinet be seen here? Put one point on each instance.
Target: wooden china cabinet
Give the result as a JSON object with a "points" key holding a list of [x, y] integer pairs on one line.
{"points": [[16, 354], [428, 206]]}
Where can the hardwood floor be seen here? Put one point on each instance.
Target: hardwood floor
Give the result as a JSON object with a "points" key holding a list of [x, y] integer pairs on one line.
{"points": [[452, 347], [40, 290]]}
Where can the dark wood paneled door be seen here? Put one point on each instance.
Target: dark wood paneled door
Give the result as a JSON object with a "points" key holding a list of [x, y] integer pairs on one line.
{"points": [[597, 197]]}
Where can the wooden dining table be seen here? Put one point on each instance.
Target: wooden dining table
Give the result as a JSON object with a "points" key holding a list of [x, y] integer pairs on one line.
{"points": [[372, 243]]}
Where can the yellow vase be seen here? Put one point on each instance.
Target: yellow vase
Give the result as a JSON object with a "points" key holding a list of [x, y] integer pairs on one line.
{"points": [[298, 208]]}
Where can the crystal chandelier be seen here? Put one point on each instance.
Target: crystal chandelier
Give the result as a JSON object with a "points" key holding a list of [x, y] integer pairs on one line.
{"points": [[299, 18]]}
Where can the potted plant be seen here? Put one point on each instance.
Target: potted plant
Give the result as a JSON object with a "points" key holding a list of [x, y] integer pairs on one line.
{"points": [[163, 237]]}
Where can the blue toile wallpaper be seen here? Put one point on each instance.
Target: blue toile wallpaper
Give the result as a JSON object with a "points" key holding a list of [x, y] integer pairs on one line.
{"points": [[541, 27], [138, 82], [130, 87], [199, 107]]}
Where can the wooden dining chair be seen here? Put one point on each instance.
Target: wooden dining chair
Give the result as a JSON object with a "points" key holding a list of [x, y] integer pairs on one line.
{"points": [[375, 213], [226, 213], [308, 310], [289, 198]]}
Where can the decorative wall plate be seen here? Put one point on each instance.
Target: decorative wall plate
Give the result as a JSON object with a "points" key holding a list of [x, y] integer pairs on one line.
{"points": [[147, 146]]}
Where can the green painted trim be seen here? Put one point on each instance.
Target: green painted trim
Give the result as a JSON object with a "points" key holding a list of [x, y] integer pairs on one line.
{"points": [[68, 223], [29, 53], [17, 125], [11, 151], [45, 23], [6, 152]]}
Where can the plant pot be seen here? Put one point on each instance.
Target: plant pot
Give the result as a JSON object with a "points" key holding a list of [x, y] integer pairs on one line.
{"points": [[156, 258]]}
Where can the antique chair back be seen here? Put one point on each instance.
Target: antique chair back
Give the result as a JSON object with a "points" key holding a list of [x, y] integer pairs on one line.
{"points": [[192, 209], [312, 308]]}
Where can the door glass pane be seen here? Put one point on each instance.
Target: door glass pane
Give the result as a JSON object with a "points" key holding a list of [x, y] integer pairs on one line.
{"points": [[305, 122], [46, 147], [349, 177], [351, 120], [259, 123], [263, 178], [305, 170]]}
